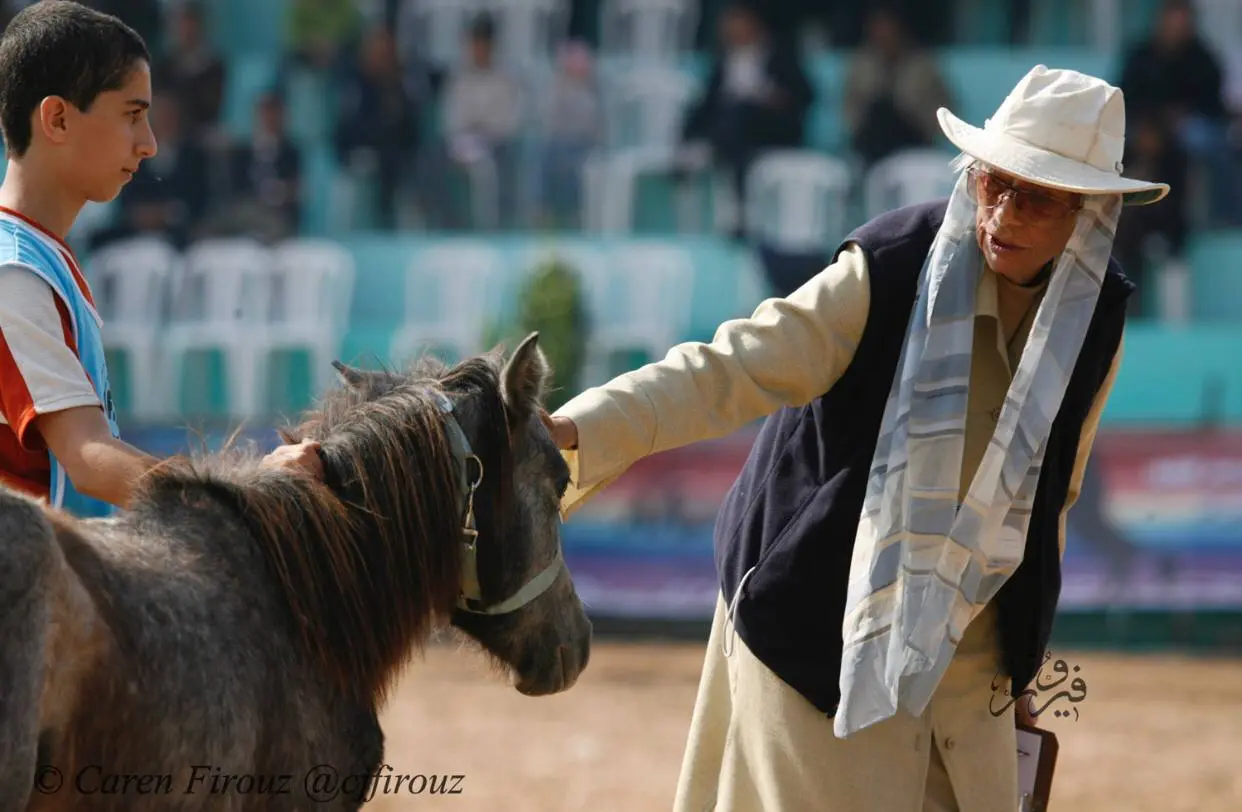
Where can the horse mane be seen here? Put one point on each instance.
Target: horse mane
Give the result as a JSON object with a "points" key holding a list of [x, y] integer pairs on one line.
{"points": [[368, 560]]}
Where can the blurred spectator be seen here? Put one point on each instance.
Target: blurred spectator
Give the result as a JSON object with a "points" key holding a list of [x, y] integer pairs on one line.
{"points": [[892, 91], [1148, 236], [845, 21], [575, 123], [483, 108], [1174, 75], [195, 72], [264, 199], [169, 195], [319, 31], [144, 16], [756, 98], [379, 123]]}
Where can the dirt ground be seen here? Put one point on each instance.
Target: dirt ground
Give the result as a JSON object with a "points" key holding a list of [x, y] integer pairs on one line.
{"points": [[1156, 733]]}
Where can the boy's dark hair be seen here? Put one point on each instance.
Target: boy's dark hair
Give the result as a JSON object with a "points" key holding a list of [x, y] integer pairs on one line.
{"points": [[60, 48]]}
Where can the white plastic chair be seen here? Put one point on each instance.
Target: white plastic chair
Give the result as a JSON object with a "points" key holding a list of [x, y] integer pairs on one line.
{"points": [[796, 200], [312, 286], [434, 29], [528, 31], [648, 294], [450, 291], [648, 30], [644, 109], [222, 302], [905, 178], [131, 280], [93, 218]]}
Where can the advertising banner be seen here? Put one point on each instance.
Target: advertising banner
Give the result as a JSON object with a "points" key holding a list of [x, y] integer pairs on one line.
{"points": [[1157, 526]]}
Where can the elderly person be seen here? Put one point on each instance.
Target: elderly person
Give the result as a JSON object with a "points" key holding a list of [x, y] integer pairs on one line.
{"points": [[894, 540]]}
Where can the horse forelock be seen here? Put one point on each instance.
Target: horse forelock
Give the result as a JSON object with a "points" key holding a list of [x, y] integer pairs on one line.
{"points": [[368, 560]]}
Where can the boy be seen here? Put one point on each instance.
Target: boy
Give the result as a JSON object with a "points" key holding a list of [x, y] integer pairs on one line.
{"points": [[73, 111]]}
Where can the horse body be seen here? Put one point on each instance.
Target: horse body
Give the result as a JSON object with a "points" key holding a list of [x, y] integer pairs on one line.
{"points": [[166, 661], [226, 643]]}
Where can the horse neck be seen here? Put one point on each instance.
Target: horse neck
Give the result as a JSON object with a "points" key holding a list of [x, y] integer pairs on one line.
{"points": [[371, 589]]}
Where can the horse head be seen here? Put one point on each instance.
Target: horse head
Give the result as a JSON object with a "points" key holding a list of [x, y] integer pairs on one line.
{"points": [[478, 515]]}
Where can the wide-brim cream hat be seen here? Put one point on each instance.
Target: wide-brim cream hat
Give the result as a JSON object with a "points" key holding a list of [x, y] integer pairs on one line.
{"points": [[1057, 128]]}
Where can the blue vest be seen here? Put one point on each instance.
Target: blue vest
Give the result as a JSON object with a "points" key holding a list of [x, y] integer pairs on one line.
{"points": [[21, 243], [793, 511]]}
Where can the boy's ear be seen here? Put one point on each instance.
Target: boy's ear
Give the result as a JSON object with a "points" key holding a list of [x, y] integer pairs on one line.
{"points": [[52, 119]]}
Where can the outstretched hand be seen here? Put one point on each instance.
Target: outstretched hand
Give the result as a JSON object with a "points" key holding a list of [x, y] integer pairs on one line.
{"points": [[297, 458], [564, 432]]}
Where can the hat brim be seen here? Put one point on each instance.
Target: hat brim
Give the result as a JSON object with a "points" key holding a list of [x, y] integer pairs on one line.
{"points": [[1042, 167]]}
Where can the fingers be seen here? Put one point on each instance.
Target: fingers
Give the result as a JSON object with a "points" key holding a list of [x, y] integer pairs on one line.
{"points": [[548, 421], [303, 457], [313, 462]]}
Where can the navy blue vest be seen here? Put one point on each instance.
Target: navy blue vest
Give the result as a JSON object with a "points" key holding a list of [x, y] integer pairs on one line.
{"points": [[793, 511]]}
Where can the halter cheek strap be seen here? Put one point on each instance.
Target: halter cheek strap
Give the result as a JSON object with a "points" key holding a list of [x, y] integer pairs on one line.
{"points": [[471, 598]]}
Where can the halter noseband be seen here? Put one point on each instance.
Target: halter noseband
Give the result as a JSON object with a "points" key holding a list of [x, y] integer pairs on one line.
{"points": [[471, 598]]}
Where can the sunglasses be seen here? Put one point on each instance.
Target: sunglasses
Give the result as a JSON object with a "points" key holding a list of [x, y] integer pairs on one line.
{"points": [[990, 189]]}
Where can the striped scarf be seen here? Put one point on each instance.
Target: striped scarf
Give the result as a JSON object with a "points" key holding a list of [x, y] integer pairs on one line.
{"points": [[924, 566]]}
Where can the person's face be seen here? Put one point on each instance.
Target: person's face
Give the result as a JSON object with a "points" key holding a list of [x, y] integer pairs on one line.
{"points": [[1149, 140], [189, 29], [1020, 227], [738, 29], [1176, 26], [104, 146], [380, 54], [884, 33], [480, 52], [271, 116]]}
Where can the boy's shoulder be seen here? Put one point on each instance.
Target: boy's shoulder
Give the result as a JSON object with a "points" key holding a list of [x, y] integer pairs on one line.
{"points": [[23, 244]]}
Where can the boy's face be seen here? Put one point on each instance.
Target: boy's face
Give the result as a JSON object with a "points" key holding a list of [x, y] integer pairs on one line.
{"points": [[103, 147]]}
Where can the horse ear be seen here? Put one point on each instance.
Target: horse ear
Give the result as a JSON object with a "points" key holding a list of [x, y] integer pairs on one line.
{"points": [[349, 375], [524, 378]]}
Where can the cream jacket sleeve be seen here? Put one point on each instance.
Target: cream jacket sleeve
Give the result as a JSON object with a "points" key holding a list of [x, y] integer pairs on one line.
{"points": [[1086, 440], [789, 352]]}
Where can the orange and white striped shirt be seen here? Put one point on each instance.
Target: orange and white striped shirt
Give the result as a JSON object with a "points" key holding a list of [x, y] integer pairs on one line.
{"points": [[40, 371]]}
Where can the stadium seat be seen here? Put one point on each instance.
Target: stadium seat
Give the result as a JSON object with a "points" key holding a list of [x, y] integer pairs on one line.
{"points": [[648, 293], [644, 110], [797, 200], [131, 280], [221, 303], [312, 285], [529, 30], [907, 177], [648, 31], [434, 30], [451, 293]]}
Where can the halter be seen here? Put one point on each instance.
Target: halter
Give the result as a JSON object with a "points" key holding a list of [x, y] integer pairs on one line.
{"points": [[471, 598]]}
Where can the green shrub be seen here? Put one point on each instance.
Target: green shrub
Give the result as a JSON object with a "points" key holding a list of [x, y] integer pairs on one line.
{"points": [[552, 302]]}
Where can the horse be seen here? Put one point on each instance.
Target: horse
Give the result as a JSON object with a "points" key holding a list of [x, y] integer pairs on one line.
{"points": [[226, 642]]}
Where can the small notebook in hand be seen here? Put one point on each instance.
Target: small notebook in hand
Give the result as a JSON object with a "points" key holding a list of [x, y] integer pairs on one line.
{"points": [[1037, 758]]}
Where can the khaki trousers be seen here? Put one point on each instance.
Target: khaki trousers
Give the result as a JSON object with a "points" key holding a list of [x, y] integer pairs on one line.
{"points": [[756, 745]]}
